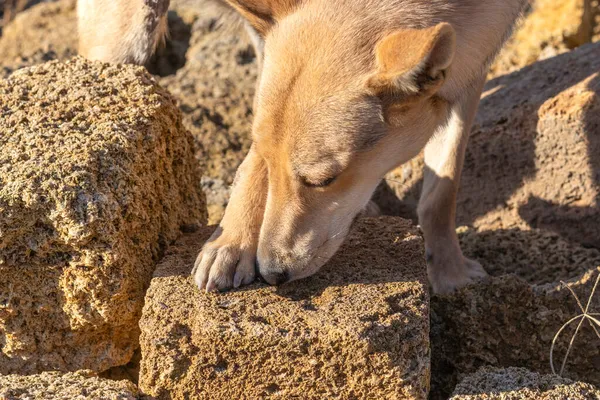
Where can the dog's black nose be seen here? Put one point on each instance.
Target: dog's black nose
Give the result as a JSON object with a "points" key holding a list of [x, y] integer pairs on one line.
{"points": [[275, 278]]}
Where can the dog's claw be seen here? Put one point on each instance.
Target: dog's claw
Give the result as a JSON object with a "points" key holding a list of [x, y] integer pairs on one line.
{"points": [[443, 281], [223, 264]]}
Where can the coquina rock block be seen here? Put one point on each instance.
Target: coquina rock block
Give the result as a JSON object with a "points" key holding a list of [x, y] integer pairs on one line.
{"points": [[518, 384], [550, 27], [357, 329], [97, 175], [80, 385], [512, 318], [45, 31]]}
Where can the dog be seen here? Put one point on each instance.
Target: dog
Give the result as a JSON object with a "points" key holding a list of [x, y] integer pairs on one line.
{"points": [[348, 90]]}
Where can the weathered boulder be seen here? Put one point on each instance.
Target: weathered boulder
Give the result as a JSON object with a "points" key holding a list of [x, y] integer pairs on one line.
{"points": [[511, 318], [208, 63], [550, 27], [357, 329], [44, 32], [97, 175], [520, 384], [80, 385], [532, 160]]}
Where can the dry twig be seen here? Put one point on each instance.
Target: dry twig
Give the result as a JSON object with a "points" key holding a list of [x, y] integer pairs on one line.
{"points": [[585, 316]]}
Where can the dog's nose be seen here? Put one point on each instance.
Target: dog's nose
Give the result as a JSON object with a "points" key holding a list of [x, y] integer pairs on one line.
{"points": [[274, 277]]}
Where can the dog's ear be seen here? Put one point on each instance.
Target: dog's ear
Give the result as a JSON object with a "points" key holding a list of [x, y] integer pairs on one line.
{"points": [[413, 61], [263, 14]]}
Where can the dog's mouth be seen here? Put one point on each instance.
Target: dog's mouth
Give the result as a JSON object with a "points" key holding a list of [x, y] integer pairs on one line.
{"points": [[308, 265], [325, 251]]}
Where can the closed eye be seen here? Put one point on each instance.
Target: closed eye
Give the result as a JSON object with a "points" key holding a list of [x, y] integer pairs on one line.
{"points": [[323, 183]]}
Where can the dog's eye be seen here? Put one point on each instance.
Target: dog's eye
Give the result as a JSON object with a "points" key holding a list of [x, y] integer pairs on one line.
{"points": [[323, 183]]}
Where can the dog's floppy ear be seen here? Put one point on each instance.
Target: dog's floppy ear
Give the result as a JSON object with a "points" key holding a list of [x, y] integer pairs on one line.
{"points": [[413, 61], [263, 14]]}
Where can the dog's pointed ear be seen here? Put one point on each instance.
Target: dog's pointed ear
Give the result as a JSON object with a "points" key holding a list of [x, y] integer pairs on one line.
{"points": [[263, 14], [413, 61]]}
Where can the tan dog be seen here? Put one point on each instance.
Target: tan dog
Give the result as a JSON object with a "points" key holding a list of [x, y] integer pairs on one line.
{"points": [[349, 90]]}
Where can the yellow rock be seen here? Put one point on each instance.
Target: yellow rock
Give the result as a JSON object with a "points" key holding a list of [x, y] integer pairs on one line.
{"points": [[97, 175], [357, 329], [550, 28]]}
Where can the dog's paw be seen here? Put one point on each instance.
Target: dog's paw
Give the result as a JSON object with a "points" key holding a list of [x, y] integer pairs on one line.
{"points": [[445, 279], [224, 263]]}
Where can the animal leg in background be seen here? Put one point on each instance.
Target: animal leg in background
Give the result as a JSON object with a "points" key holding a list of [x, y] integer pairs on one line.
{"points": [[121, 31], [444, 155]]}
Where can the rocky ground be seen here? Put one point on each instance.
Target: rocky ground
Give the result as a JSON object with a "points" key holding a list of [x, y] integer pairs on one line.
{"points": [[528, 206], [519, 383], [80, 385]]}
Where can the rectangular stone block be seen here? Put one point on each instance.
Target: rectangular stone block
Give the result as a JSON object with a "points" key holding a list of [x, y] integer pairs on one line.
{"points": [[97, 175], [357, 329]]}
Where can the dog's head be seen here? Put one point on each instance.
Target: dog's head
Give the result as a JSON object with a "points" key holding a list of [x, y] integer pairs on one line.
{"points": [[338, 105]]}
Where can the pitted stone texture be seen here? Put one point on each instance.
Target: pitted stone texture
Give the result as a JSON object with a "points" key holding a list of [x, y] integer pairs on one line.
{"points": [[80, 385], [97, 175], [216, 91], [506, 321], [550, 28], [43, 32], [357, 329], [520, 384], [532, 159], [511, 318]]}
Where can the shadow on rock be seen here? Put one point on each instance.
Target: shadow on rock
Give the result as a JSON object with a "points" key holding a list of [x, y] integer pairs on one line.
{"points": [[171, 56], [536, 136], [572, 220], [511, 318]]}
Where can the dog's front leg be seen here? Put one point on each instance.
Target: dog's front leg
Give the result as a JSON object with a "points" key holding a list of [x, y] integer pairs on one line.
{"points": [[228, 257], [447, 268]]}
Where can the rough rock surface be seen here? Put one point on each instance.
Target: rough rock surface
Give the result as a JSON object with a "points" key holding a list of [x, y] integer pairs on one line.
{"points": [[44, 32], [208, 64], [532, 160], [511, 319], [80, 385], [97, 175], [536, 256], [550, 27], [520, 384], [357, 329]]}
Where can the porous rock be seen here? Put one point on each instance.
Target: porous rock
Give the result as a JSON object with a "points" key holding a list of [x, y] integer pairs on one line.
{"points": [[511, 318], [97, 175], [520, 384], [207, 63], [532, 159], [550, 27], [45, 31], [356, 329], [80, 385]]}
